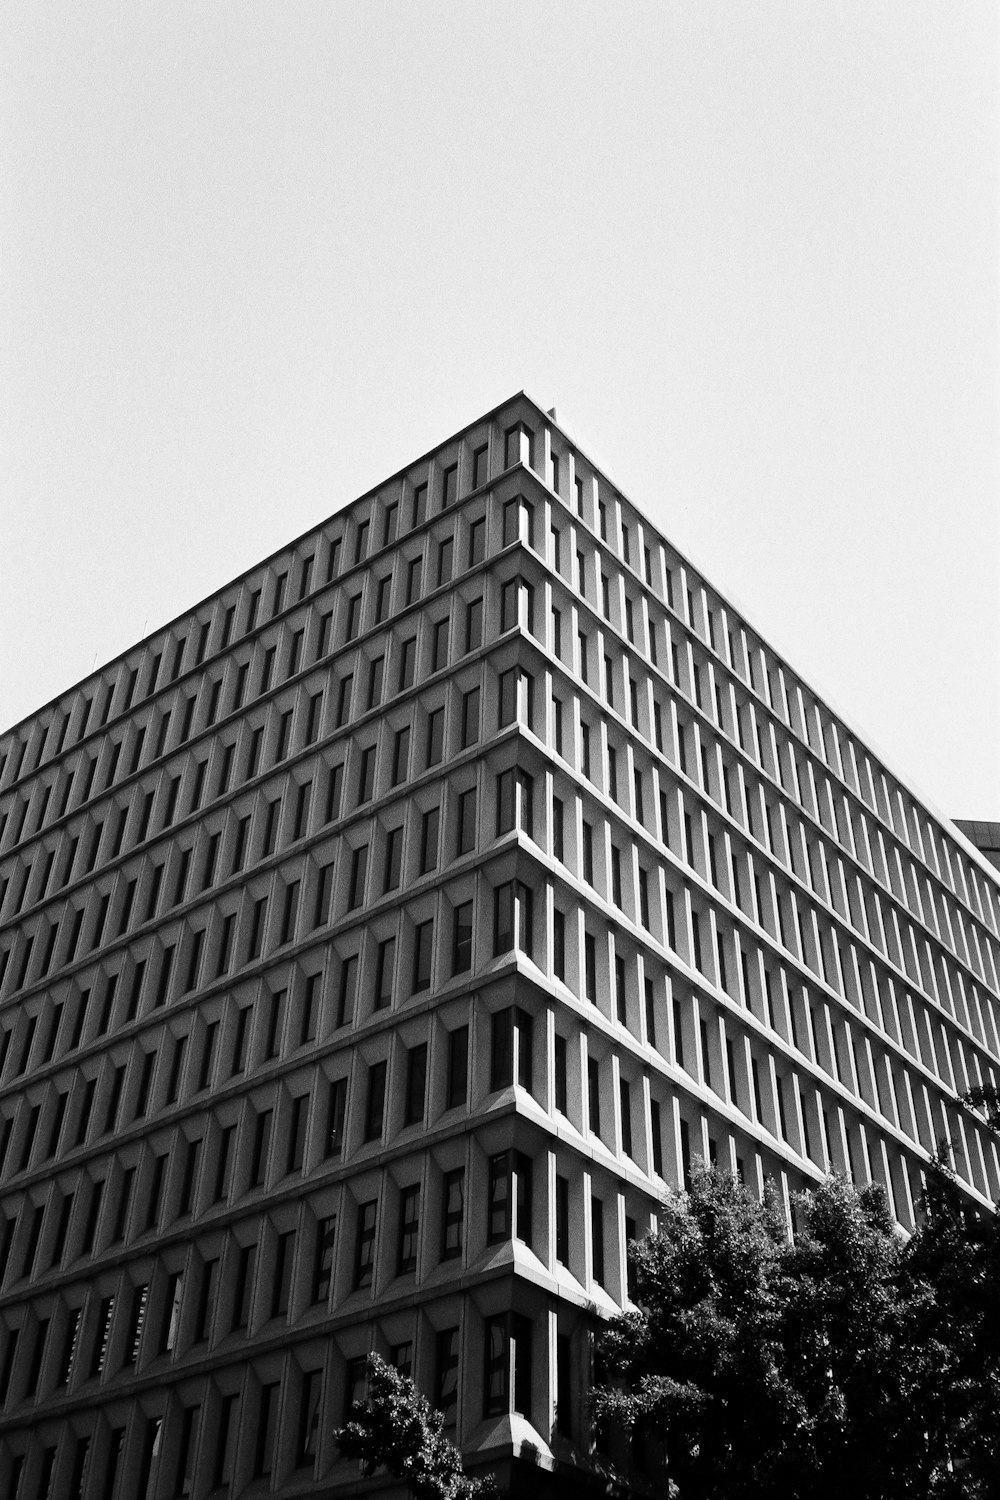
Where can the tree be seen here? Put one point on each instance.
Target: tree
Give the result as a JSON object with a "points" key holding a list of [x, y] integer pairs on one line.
{"points": [[396, 1428], [845, 1361]]}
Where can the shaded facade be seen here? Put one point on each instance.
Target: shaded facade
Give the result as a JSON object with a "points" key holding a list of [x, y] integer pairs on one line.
{"points": [[382, 939]]}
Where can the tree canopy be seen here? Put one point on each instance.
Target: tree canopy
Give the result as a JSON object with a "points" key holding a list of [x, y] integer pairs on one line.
{"points": [[396, 1428], [847, 1361]]}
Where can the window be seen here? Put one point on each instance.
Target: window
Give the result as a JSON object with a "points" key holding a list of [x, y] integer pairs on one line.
{"points": [[324, 893], [477, 542], [446, 561], [507, 1344], [413, 575], [429, 840], [561, 1074], [344, 700], [384, 968], [457, 1090], [359, 873], [449, 486], [348, 988], [453, 1213], [519, 444], [334, 786], [326, 1234], [625, 1102], [657, 1134], [480, 465], [243, 1288], [511, 1048], [423, 944], [439, 646], [409, 1228], [462, 946], [376, 682], [512, 920], [289, 916], [562, 1220], [588, 852], [364, 1246], [375, 1101], [335, 1115], [446, 1374], [509, 1198], [597, 1238], [361, 540], [309, 1408], [435, 736], [508, 697], [401, 755], [467, 804], [261, 1148], [558, 829], [416, 1084], [393, 859], [590, 966], [514, 803], [390, 525], [509, 597], [297, 1134], [407, 664], [284, 1255], [559, 945], [366, 778], [594, 1096], [473, 625], [419, 504], [383, 599], [470, 717]]}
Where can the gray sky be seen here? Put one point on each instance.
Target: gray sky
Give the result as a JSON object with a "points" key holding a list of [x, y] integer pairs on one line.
{"points": [[253, 258]]}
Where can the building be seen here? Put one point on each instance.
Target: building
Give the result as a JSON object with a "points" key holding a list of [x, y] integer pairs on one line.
{"points": [[381, 939]]}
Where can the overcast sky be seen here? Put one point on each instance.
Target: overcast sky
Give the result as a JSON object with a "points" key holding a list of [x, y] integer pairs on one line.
{"points": [[255, 257]]}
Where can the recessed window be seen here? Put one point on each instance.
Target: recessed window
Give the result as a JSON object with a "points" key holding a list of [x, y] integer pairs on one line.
{"points": [[375, 1101], [409, 1227], [364, 1246], [457, 1091], [435, 736], [366, 777], [462, 945], [467, 803], [423, 946], [383, 599], [416, 1084], [453, 1214], [384, 969], [429, 825], [439, 648], [401, 755], [470, 717], [473, 625]]}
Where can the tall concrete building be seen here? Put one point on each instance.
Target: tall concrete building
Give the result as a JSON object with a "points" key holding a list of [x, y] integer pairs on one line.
{"points": [[383, 939]]}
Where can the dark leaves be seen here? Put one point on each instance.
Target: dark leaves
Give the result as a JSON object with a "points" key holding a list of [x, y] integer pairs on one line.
{"points": [[848, 1361]]}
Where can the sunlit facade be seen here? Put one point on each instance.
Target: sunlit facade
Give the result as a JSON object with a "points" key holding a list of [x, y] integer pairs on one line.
{"points": [[383, 939]]}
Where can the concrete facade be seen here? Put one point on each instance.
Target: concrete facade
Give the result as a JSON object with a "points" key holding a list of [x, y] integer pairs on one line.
{"points": [[384, 938]]}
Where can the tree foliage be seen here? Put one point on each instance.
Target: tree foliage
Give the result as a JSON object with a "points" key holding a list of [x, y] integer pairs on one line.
{"points": [[846, 1361], [396, 1428]]}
